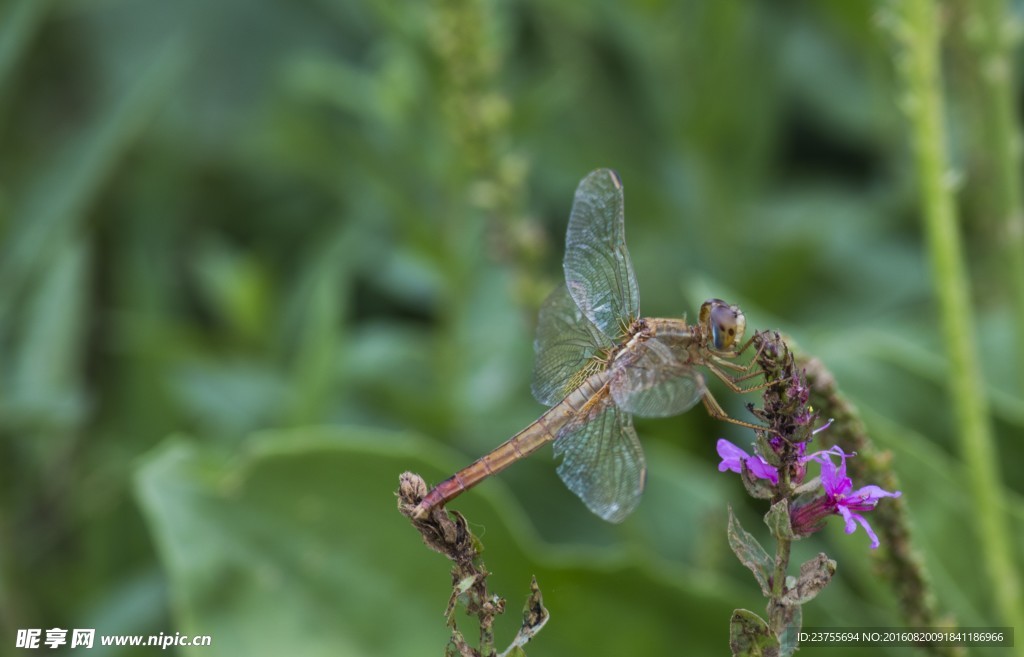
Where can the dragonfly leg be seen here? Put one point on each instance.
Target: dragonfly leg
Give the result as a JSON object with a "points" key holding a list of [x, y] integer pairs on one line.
{"points": [[733, 382], [731, 364], [716, 411], [739, 377], [746, 344]]}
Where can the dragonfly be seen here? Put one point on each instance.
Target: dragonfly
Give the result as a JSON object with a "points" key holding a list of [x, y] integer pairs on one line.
{"points": [[598, 363]]}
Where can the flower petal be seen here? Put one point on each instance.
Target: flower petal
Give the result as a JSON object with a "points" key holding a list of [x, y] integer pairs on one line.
{"points": [[823, 427], [834, 479], [762, 469], [873, 492], [825, 455], [848, 516], [867, 528], [732, 456]]}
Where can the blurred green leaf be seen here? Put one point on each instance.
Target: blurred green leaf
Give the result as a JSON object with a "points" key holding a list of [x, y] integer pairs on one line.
{"points": [[59, 200], [235, 288], [44, 390], [297, 542], [20, 22]]}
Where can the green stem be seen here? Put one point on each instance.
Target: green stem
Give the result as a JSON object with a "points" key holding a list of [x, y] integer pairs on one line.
{"points": [[917, 30], [987, 32], [776, 610]]}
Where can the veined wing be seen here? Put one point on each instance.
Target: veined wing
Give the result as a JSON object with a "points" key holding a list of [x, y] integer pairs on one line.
{"points": [[564, 349], [598, 272], [654, 383], [602, 461]]}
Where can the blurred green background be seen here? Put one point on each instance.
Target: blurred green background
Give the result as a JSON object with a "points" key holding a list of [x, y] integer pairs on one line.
{"points": [[258, 258]]}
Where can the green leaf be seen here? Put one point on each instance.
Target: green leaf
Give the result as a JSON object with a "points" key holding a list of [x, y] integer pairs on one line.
{"points": [[294, 545], [235, 287], [47, 392], [276, 549], [20, 21], [778, 521], [320, 307], [749, 636], [750, 553], [58, 201], [815, 574]]}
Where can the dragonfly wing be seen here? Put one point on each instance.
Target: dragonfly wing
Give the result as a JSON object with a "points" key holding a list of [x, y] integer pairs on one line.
{"points": [[603, 462], [598, 271], [564, 349], [654, 383]]}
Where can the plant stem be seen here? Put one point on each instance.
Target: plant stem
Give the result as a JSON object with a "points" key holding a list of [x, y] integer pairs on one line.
{"points": [[776, 610], [916, 27], [987, 30]]}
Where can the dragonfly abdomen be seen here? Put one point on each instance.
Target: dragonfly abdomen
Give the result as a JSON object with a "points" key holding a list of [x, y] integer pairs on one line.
{"points": [[542, 431]]}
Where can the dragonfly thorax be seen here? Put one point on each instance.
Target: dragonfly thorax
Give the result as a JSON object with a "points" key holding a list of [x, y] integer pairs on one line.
{"points": [[637, 332], [723, 324]]}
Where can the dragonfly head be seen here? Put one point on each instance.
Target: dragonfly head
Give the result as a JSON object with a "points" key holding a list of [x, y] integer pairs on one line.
{"points": [[724, 323]]}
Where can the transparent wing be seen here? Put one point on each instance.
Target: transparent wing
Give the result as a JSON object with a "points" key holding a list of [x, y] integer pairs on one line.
{"points": [[602, 461], [598, 271], [655, 383], [565, 346]]}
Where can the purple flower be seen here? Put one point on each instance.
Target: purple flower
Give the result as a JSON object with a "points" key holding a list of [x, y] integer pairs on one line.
{"points": [[733, 459], [823, 427], [839, 498], [798, 390]]}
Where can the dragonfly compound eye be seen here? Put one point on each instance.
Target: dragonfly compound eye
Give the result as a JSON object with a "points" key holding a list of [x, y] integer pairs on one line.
{"points": [[727, 325]]}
